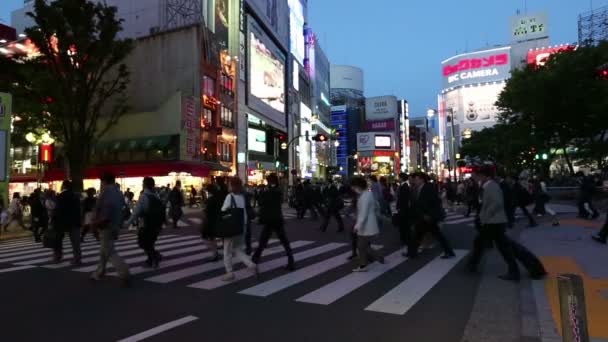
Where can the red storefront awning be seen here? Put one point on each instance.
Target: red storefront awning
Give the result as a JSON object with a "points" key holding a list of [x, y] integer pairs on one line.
{"points": [[135, 170]]}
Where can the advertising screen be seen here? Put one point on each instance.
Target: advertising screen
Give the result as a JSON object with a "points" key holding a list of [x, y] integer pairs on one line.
{"points": [[479, 103], [477, 67], [296, 25], [539, 57], [382, 107], [256, 140], [380, 125], [383, 142]]}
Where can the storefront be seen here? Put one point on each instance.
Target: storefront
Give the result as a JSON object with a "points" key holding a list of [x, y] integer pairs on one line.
{"points": [[379, 163]]}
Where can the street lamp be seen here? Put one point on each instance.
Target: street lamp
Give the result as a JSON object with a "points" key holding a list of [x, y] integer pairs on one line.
{"points": [[337, 143], [430, 113]]}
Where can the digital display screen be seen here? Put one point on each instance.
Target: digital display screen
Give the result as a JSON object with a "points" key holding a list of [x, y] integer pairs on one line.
{"points": [[383, 141], [267, 75], [256, 140]]}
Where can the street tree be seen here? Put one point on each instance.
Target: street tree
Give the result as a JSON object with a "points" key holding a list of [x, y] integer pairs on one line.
{"points": [[74, 77], [564, 102]]}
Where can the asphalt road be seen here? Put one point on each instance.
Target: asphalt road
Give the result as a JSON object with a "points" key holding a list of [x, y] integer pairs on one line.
{"points": [[427, 299]]}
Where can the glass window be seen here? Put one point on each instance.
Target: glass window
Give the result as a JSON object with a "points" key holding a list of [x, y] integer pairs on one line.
{"points": [[208, 86], [206, 119], [227, 117]]}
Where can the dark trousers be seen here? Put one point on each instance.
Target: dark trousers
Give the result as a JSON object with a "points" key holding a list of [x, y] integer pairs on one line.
{"points": [[353, 242], [493, 233], [267, 231], [248, 237], [531, 219], [85, 230], [405, 233], [146, 239], [472, 205], [38, 229], [420, 230], [176, 214], [336, 215], [604, 232], [305, 207], [74, 235], [510, 211]]}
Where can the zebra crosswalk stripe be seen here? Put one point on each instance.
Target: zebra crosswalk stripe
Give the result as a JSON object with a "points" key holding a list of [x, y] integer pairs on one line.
{"points": [[277, 284], [267, 266], [201, 269], [463, 220], [345, 285], [40, 248], [126, 250], [16, 268], [404, 296]]}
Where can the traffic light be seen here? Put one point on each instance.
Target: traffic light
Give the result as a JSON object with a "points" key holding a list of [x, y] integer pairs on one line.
{"points": [[281, 137], [320, 137]]}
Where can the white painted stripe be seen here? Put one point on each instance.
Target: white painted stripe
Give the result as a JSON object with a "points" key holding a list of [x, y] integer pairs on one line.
{"points": [[159, 329], [142, 269], [404, 296], [290, 279], [66, 244], [131, 249], [345, 285], [200, 269], [268, 266], [18, 268], [9, 245], [464, 220], [196, 220]]}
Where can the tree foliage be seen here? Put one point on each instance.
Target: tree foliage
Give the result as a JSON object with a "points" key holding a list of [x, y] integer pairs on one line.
{"points": [[562, 105], [76, 77]]}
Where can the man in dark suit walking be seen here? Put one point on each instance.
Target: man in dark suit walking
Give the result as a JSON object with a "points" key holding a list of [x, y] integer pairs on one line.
{"points": [[271, 216], [427, 213], [67, 221], [402, 218]]}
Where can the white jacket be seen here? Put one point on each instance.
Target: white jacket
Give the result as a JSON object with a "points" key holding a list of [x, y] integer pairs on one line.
{"points": [[367, 222]]}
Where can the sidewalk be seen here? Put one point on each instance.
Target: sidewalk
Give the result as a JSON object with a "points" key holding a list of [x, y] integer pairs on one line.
{"points": [[569, 249]]}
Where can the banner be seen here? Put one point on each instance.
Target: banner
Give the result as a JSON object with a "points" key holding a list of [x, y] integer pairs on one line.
{"points": [[380, 125]]}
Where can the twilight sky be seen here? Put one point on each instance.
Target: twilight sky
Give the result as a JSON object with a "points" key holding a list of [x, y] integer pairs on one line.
{"points": [[400, 43]]}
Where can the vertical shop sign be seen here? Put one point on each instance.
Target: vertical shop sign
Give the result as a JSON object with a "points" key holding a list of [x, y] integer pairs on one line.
{"points": [[189, 131]]}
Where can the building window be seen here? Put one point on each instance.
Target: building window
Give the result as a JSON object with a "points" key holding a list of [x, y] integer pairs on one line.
{"points": [[207, 118], [227, 117], [226, 152], [208, 86], [227, 84]]}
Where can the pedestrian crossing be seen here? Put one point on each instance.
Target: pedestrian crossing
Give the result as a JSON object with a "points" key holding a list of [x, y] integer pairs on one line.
{"points": [[187, 262]]}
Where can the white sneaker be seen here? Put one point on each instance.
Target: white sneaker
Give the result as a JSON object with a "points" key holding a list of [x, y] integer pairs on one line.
{"points": [[228, 277], [360, 269]]}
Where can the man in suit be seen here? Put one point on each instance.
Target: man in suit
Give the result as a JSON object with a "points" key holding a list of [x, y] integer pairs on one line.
{"points": [[67, 221], [271, 216], [427, 213], [334, 203], [493, 225], [403, 211]]}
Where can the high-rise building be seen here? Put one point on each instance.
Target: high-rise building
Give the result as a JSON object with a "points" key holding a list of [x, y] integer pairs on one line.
{"points": [[593, 26], [347, 114]]}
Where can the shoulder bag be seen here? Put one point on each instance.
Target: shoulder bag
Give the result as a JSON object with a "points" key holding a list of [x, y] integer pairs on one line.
{"points": [[231, 221]]}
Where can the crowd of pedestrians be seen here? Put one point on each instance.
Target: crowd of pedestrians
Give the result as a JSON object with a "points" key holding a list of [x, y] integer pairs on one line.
{"points": [[230, 210]]}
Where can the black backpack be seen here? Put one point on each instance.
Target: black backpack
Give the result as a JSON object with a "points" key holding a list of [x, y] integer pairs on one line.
{"points": [[154, 216]]}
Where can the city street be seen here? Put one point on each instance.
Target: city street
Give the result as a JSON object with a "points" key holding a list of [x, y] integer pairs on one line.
{"points": [[428, 299]]}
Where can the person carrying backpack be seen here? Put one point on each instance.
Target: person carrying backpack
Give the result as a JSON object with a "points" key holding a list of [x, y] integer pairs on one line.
{"points": [[150, 210]]}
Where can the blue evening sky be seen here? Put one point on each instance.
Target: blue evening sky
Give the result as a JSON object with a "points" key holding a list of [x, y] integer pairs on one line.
{"points": [[401, 43]]}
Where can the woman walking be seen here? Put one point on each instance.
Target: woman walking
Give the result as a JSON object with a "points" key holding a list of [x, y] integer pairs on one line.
{"points": [[234, 245], [542, 198], [213, 210], [366, 227]]}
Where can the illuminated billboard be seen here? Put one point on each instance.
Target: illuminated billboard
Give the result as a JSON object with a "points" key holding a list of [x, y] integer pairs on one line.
{"points": [[266, 75], [539, 57], [477, 67], [296, 26], [256, 140]]}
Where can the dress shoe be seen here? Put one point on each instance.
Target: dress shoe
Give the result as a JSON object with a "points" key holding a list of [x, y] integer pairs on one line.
{"points": [[353, 256], [598, 239]]}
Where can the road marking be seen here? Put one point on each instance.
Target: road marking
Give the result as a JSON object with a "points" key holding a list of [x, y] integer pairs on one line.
{"points": [[142, 258], [200, 269], [131, 249], [66, 244], [345, 285], [159, 329], [464, 220], [18, 268], [290, 279], [267, 266], [404, 296]]}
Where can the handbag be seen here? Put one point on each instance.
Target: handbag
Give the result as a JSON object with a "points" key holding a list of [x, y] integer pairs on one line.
{"points": [[49, 239], [231, 222]]}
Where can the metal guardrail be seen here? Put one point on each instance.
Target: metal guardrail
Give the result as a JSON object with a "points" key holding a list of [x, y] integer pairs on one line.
{"points": [[572, 308]]}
